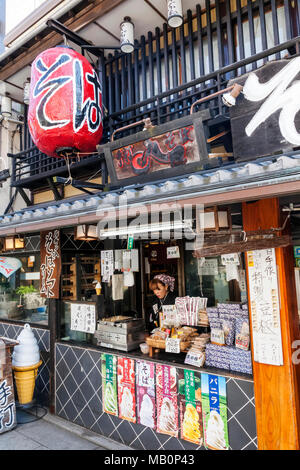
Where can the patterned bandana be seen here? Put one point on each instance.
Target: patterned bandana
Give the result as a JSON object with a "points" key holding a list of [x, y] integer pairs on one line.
{"points": [[167, 280]]}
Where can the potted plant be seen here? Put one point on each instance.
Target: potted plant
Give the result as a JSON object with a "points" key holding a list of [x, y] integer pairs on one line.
{"points": [[30, 297]]}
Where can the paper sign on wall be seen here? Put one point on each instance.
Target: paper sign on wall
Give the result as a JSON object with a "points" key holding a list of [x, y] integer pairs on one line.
{"points": [[173, 252], [83, 318], [265, 309]]}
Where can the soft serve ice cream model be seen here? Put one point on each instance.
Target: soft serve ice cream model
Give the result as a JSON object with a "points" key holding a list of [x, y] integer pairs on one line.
{"points": [[215, 432], [25, 364]]}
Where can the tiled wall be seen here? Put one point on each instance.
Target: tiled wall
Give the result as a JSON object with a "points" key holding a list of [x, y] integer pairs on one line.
{"points": [[79, 400], [12, 331]]}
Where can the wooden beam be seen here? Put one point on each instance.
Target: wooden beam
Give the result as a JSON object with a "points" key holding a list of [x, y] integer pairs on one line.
{"points": [[53, 187], [276, 388], [79, 21], [25, 197]]}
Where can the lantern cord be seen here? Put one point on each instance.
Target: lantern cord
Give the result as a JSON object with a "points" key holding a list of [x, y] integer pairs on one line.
{"points": [[69, 179]]}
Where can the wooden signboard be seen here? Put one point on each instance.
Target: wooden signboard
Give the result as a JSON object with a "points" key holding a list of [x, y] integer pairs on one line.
{"points": [[7, 398], [265, 119], [164, 151], [50, 269]]}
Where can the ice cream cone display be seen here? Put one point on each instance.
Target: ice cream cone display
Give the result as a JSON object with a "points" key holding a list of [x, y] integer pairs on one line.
{"points": [[98, 288], [191, 424], [25, 382], [25, 364], [215, 433]]}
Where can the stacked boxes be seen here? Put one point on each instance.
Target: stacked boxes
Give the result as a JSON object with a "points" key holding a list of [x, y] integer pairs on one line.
{"points": [[234, 320], [217, 356]]}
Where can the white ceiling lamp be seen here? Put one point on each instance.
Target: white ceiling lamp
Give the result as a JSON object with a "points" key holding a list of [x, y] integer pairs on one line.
{"points": [[175, 16], [127, 35]]}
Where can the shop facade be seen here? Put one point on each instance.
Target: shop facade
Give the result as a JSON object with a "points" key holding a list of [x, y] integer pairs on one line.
{"points": [[193, 162]]}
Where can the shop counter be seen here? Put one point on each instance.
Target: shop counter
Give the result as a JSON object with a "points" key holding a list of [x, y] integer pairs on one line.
{"points": [[81, 381]]}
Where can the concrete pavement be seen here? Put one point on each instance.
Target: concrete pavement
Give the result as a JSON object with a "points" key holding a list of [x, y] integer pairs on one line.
{"points": [[53, 433]]}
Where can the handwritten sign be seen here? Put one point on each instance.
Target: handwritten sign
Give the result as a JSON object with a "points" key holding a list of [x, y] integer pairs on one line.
{"points": [[83, 318], [50, 264], [173, 252], [173, 345], [195, 358], [265, 309], [169, 315]]}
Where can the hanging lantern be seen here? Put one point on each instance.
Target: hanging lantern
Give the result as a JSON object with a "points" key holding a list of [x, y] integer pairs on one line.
{"points": [[65, 107], [127, 35], [175, 17]]}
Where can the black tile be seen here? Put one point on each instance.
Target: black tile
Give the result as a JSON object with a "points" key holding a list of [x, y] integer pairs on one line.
{"points": [[237, 437], [70, 384], [246, 417], [236, 399], [127, 431], [173, 444], [106, 424], [149, 439], [70, 411], [88, 417]]}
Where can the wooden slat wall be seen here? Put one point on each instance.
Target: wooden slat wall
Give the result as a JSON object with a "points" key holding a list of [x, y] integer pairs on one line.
{"points": [[218, 35]]}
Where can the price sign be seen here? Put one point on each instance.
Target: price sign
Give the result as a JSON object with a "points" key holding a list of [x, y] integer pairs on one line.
{"points": [[169, 314], [173, 345], [217, 336], [195, 359], [173, 252]]}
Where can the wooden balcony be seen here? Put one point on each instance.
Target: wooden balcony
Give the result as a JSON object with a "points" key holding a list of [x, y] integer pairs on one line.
{"points": [[169, 71]]}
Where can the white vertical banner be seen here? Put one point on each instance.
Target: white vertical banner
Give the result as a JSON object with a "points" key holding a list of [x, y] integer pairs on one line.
{"points": [[265, 307]]}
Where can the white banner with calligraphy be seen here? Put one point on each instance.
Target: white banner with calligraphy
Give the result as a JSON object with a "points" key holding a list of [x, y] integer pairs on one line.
{"points": [[265, 307]]}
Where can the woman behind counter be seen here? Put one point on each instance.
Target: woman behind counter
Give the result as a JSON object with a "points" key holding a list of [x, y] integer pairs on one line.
{"points": [[162, 286]]}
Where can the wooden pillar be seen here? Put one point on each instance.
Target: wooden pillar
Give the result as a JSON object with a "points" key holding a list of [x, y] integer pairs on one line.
{"points": [[277, 387]]}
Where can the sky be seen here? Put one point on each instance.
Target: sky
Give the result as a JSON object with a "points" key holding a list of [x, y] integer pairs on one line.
{"points": [[17, 10]]}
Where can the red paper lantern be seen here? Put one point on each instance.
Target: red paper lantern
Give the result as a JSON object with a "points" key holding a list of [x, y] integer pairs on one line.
{"points": [[65, 107]]}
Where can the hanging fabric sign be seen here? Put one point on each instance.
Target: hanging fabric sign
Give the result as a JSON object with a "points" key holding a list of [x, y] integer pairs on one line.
{"points": [[189, 389], [126, 389], [50, 269], [214, 409], [145, 392], [109, 384], [166, 400]]}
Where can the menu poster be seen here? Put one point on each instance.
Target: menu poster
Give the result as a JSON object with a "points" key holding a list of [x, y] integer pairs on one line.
{"points": [[214, 409], [109, 384], [265, 309], [189, 389], [83, 318], [50, 268], [145, 392], [126, 389], [166, 400]]}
